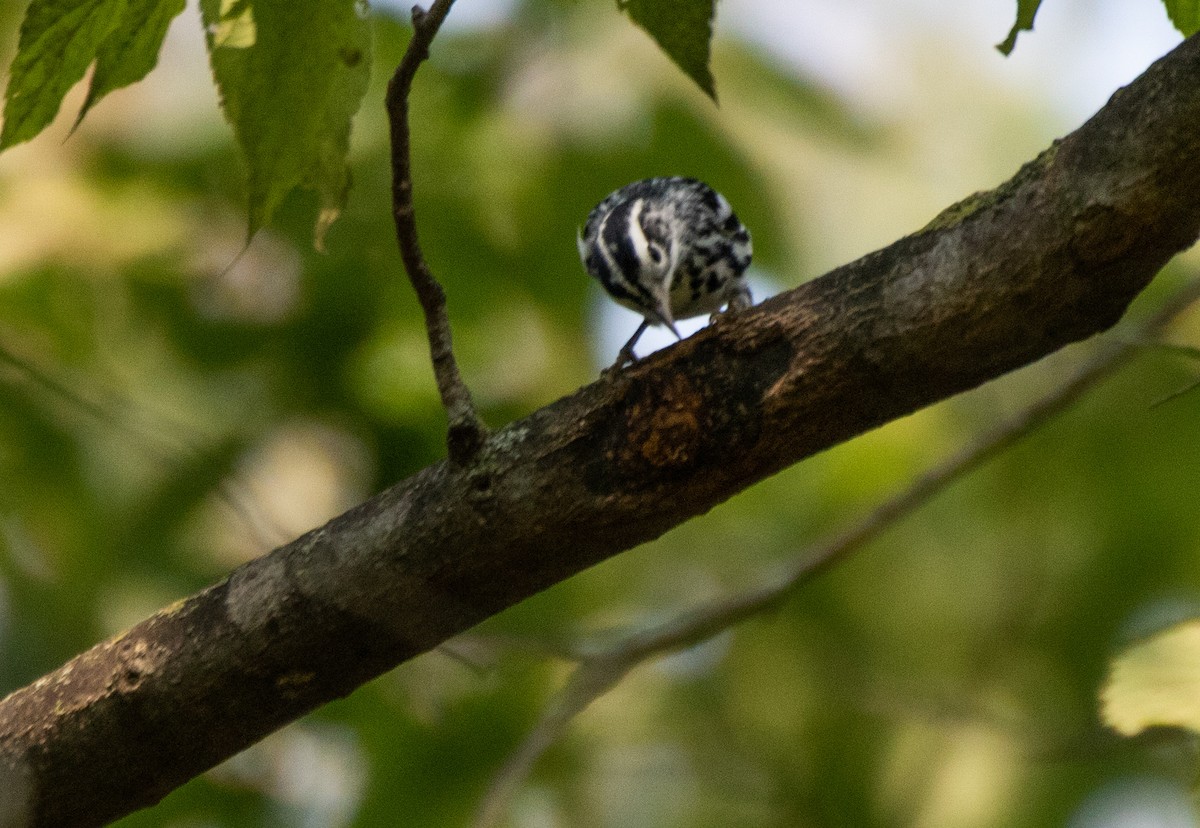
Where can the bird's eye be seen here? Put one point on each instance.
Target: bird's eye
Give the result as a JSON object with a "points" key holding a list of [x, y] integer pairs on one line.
{"points": [[656, 254]]}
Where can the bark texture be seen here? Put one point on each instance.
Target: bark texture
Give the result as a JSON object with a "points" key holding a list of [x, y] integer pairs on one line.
{"points": [[998, 281]]}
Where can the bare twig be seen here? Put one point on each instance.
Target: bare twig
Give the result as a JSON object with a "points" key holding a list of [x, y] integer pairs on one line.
{"points": [[467, 433], [596, 674]]}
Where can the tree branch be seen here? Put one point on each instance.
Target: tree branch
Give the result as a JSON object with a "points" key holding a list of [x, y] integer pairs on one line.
{"points": [[1051, 257], [602, 668], [467, 433]]}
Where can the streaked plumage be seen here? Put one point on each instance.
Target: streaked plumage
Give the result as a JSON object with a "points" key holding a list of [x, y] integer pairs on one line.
{"points": [[668, 248]]}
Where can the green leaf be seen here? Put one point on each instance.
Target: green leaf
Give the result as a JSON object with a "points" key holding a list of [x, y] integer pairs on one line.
{"points": [[1184, 14], [131, 50], [683, 28], [291, 73], [59, 40], [1026, 11]]}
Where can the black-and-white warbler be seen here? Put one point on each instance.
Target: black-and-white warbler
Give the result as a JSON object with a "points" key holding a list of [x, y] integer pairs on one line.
{"points": [[668, 248]]}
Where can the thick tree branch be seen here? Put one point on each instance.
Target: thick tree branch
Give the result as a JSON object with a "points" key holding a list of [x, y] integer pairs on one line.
{"points": [[1051, 257], [467, 432]]}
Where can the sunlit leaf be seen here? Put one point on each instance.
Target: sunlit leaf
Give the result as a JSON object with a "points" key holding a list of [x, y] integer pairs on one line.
{"points": [[1185, 15], [59, 40], [291, 74], [1026, 11], [131, 50], [683, 28], [1156, 682]]}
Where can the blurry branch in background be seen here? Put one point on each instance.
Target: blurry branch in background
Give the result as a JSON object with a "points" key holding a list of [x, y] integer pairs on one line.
{"points": [[467, 432], [594, 677], [600, 668], [1187, 352]]}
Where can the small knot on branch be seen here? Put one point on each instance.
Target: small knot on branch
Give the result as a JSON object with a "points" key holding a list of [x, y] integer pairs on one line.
{"points": [[464, 440]]}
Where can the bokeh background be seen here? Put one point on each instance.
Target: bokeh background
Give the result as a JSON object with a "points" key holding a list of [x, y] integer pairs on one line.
{"points": [[170, 409]]}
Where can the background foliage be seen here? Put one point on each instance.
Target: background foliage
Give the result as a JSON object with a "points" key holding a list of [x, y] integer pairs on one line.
{"points": [[169, 409]]}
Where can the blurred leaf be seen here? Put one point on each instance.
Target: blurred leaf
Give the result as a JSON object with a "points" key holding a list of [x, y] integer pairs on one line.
{"points": [[1184, 14], [1156, 682], [1026, 11], [683, 28], [59, 40], [291, 73], [131, 50]]}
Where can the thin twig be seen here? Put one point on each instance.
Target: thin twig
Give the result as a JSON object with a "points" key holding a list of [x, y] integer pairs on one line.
{"points": [[595, 675], [467, 433], [590, 681]]}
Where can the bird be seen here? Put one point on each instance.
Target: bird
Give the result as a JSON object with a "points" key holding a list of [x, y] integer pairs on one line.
{"points": [[669, 248]]}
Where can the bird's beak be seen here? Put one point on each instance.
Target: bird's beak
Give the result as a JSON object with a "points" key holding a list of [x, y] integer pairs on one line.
{"points": [[663, 310]]}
